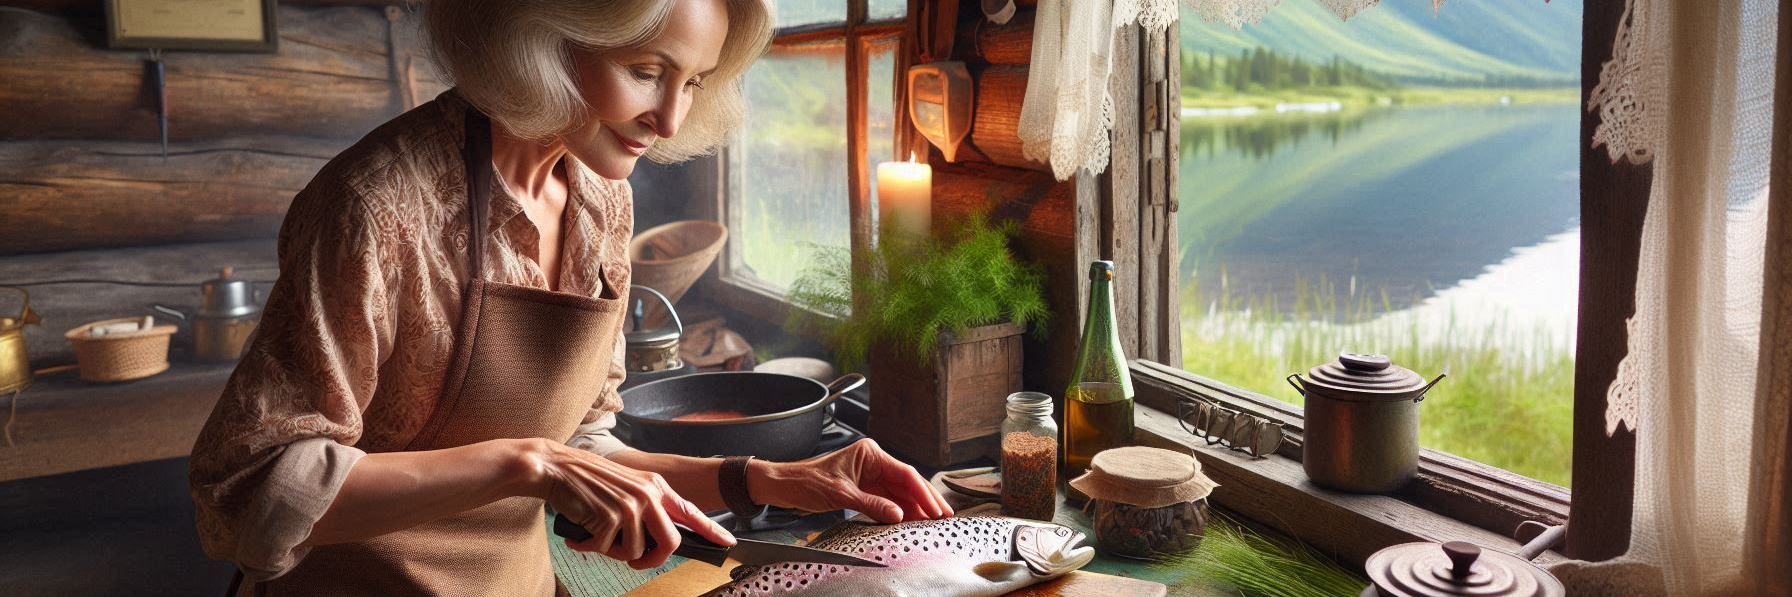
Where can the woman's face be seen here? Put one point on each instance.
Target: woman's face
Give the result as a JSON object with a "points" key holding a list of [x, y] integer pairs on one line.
{"points": [[640, 94]]}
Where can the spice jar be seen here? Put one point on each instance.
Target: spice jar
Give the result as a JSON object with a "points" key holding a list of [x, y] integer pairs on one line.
{"points": [[1029, 457], [1145, 502]]}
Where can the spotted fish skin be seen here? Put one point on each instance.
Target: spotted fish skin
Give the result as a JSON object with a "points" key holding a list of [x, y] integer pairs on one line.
{"points": [[972, 556]]}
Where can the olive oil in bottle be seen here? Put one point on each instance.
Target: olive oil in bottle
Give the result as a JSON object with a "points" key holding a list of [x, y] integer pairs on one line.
{"points": [[1098, 403]]}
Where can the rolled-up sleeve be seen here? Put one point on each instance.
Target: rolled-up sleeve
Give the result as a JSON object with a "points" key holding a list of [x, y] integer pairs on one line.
{"points": [[279, 442]]}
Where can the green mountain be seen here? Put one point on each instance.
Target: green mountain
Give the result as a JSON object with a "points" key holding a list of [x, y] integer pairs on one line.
{"points": [[1466, 41]]}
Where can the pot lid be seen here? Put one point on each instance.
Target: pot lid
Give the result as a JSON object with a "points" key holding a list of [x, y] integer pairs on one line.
{"points": [[657, 337], [226, 296], [1457, 568], [1370, 375]]}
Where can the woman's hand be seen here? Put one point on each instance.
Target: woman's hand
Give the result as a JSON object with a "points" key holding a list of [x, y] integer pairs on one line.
{"points": [[617, 504], [861, 477]]}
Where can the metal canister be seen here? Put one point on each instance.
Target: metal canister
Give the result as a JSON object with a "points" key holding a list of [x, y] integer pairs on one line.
{"points": [[227, 317], [15, 362], [1362, 423]]}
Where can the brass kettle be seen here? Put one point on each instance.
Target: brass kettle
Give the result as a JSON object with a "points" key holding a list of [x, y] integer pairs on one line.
{"points": [[15, 364]]}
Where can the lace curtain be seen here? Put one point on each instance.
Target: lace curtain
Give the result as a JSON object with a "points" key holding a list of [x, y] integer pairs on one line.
{"points": [[1067, 113], [1690, 89]]}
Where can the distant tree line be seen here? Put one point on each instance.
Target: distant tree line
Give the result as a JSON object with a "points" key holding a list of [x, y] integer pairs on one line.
{"points": [[1262, 68]]}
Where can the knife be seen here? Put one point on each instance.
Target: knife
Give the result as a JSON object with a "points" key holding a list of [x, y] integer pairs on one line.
{"points": [[746, 551]]}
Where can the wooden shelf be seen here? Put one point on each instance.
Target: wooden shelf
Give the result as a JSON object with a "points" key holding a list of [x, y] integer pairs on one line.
{"points": [[65, 425], [62, 424]]}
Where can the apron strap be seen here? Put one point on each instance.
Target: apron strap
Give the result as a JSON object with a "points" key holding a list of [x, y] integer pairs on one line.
{"points": [[477, 154]]}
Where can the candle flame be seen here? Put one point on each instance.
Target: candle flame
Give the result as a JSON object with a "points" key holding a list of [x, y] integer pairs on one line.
{"points": [[911, 156]]}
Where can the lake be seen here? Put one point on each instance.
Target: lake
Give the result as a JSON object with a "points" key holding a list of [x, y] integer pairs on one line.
{"points": [[1447, 208], [1444, 236]]}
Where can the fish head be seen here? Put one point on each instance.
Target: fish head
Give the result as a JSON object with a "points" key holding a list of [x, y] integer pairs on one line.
{"points": [[1051, 550]]}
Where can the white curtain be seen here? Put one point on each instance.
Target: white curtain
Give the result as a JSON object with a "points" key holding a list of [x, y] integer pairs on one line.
{"points": [[1691, 89]]}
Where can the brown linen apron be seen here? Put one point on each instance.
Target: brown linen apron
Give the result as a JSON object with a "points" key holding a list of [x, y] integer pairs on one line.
{"points": [[527, 363]]}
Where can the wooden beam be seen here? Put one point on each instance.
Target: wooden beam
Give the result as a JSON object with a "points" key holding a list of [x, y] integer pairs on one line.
{"points": [[995, 123], [331, 78], [1008, 43], [1612, 208], [1120, 189], [60, 195]]}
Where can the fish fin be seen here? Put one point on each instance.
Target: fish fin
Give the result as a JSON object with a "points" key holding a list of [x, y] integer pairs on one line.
{"points": [[1051, 551], [1002, 572]]}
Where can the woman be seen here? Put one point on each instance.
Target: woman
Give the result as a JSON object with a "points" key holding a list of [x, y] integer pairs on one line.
{"points": [[448, 316]]}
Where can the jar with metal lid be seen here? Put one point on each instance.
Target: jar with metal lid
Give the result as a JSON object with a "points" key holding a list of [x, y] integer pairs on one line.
{"points": [[1145, 502], [1361, 423], [1030, 457], [1427, 569]]}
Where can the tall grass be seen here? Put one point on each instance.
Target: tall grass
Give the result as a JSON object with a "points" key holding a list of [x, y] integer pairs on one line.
{"points": [[1508, 400]]}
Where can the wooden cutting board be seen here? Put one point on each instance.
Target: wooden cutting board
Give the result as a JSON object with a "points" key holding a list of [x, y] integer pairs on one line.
{"points": [[694, 578]]}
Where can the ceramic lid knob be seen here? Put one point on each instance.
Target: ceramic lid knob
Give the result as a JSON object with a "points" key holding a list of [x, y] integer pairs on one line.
{"points": [[1462, 556]]}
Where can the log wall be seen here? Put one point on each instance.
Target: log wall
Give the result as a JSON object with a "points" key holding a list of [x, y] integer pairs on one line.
{"points": [[80, 157]]}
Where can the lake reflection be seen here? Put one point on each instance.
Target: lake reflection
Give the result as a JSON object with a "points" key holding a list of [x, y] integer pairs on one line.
{"points": [[1467, 212]]}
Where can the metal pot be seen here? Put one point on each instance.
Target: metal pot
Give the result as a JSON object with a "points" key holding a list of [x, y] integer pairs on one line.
{"points": [[1362, 423], [227, 317], [1426, 569], [652, 355], [783, 414], [15, 362]]}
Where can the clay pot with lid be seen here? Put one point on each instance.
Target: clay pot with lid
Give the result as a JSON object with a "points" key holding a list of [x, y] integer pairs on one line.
{"points": [[1362, 423], [1457, 568]]}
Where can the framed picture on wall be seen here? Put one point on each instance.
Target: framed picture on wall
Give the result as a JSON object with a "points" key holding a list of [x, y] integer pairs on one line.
{"points": [[205, 25]]}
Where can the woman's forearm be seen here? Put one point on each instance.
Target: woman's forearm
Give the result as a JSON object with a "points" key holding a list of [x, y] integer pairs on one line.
{"points": [[393, 491], [693, 478]]}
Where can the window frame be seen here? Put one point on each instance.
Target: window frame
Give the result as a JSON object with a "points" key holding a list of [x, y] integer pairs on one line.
{"points": [[1448, 487], [1452, 497], [727, 283]]}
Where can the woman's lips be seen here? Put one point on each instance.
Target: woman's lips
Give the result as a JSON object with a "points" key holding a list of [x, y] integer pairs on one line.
{"points": [[629, 145]]}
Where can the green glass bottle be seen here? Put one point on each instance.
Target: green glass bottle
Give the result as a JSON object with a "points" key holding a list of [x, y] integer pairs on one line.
{"points": [[1098, 403]]}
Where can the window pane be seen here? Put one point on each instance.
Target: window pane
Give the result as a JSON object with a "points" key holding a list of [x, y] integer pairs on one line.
{"points": [[887, 9], [1404, 184], [880, 134], [788, 169], [792, 13]]}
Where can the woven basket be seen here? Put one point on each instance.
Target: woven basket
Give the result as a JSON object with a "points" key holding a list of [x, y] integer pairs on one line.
{"points": [[121, 356], [670, 257]]}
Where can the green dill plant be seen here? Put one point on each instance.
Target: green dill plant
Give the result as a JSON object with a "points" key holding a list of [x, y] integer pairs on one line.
{"points": [[915, 289]]}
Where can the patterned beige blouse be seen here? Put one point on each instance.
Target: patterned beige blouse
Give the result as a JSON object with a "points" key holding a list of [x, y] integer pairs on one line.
{"points": [[352, 348]]}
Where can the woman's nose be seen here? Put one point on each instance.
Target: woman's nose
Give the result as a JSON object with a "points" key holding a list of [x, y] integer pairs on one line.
{"points": [[665, 118]]}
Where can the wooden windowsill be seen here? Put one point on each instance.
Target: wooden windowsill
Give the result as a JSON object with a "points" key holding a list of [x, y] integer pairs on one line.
{"points": [[1452, 499], [1274, 492]]}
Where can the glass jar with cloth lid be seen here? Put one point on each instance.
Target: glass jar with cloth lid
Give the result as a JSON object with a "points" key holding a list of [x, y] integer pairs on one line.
{"points": [[1145, 502]]}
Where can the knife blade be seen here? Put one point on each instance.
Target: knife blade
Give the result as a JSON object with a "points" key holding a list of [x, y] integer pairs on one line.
{"points": [[750, 552]]}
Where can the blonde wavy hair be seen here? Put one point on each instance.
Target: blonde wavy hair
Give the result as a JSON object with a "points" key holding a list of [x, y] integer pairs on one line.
{"points": [[513, 59]]}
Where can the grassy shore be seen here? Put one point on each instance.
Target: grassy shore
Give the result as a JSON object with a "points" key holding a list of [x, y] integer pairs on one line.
{"points": [[1366, 97], [1508, 400]]}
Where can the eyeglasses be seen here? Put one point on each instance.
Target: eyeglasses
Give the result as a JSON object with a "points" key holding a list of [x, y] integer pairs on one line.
{"points": [[1241, 431]]}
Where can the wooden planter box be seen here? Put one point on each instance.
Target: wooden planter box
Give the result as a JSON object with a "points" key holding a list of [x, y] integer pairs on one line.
{"points": [[950, 409]]}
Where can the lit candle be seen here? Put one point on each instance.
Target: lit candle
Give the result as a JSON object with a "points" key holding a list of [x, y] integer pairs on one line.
{"points": [[905, 196]]}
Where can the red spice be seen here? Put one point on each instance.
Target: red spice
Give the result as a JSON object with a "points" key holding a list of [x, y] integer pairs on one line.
{"points": [[710, 415], [1029, 476]]}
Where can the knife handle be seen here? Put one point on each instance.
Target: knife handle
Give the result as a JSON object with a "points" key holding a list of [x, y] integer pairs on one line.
{"points": [[690, 544]]}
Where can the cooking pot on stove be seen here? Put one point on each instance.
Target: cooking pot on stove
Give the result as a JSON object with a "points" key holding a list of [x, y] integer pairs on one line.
{"points": [[15, 363]]}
